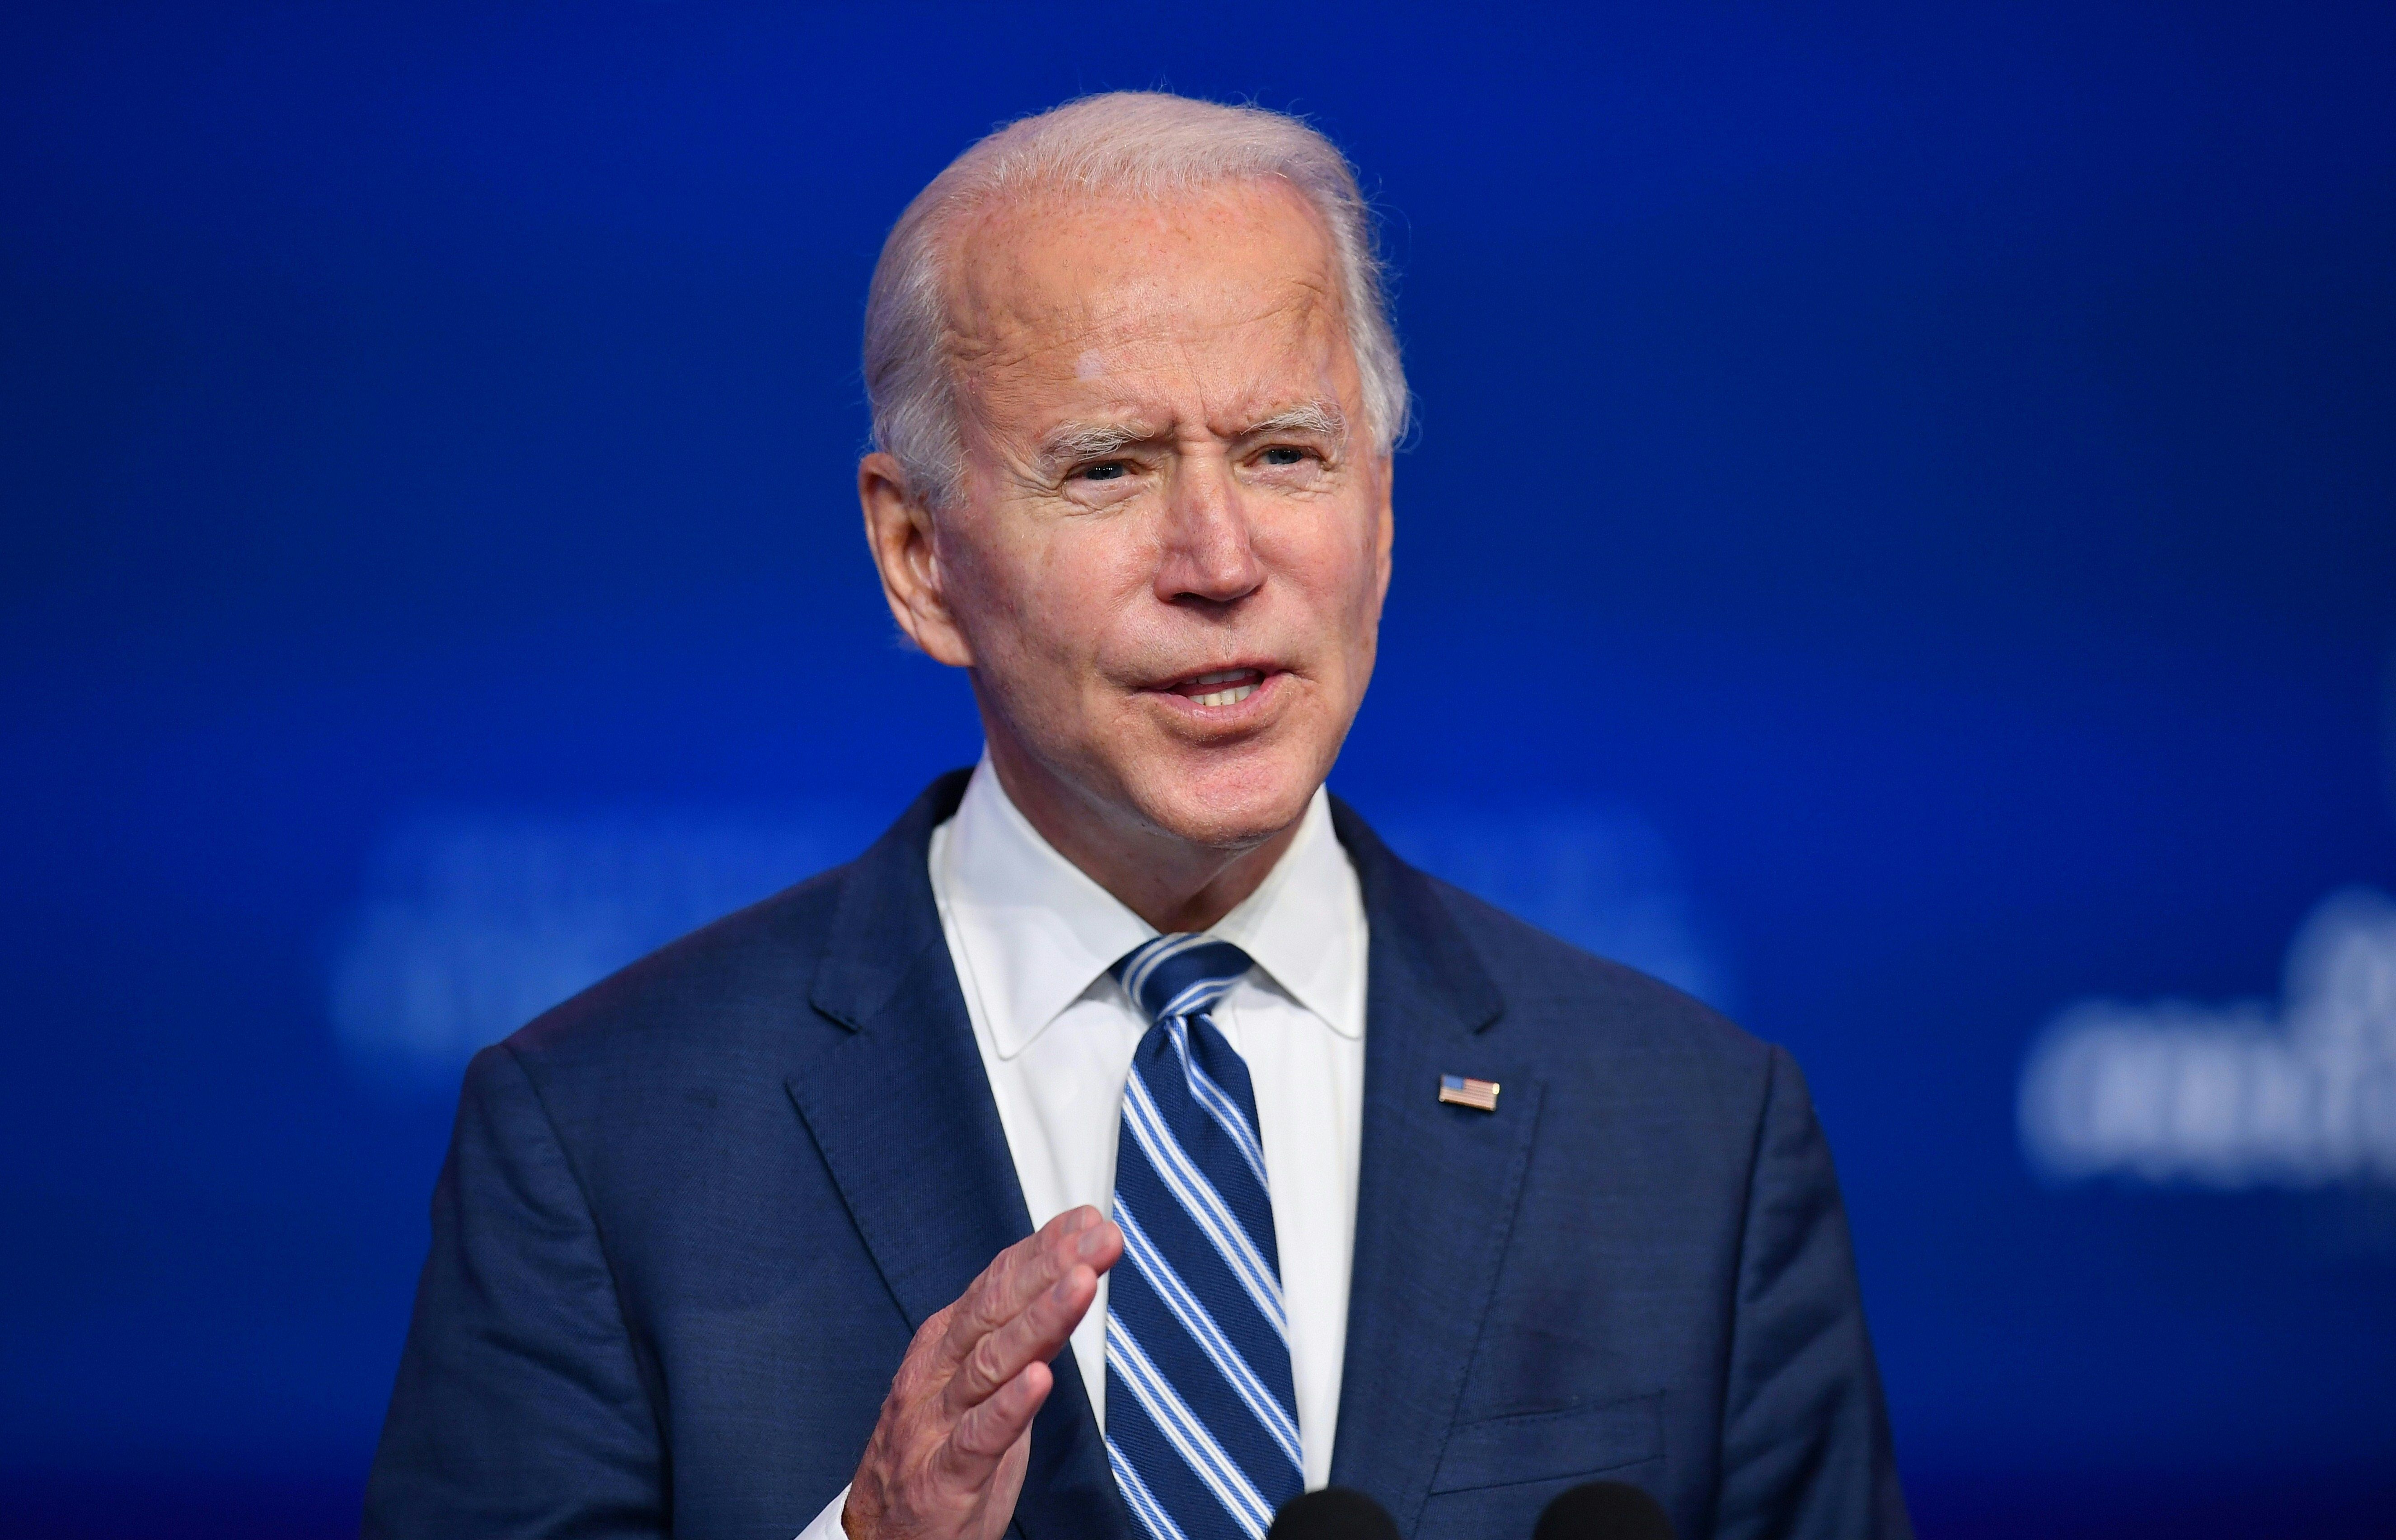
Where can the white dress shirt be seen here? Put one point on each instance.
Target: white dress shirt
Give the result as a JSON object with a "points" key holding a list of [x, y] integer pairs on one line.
{"points": [[1032, 937]]}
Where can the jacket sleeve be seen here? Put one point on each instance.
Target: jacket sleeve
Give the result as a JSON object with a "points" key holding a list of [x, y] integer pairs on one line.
{"points": [[1805, 1440], [520, 1408]]}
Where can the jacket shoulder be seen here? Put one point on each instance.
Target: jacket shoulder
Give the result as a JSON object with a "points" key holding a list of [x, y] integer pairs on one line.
{"points": [[743, 988], [699, 994]]}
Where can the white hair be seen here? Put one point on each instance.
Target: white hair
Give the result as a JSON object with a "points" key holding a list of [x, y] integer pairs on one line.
{"points": [[1144, 144]]}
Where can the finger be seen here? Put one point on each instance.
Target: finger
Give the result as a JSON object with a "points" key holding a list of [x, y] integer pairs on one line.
{"points": [[1039, 1330], [983, 1436], [1100, 1246], [987, 1300], [1014, 1278], [1036, 1335]]}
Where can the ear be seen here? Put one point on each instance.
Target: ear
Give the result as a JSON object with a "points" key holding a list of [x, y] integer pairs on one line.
{"points": [[898, 530], [1385, 531]]}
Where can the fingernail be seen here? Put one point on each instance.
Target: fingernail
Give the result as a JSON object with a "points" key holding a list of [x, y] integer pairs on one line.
{"points": [[1064, 1292], [1091, 1241], [1078, 1220]]}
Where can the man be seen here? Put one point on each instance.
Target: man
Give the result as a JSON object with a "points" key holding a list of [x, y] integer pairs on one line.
{"points": [[1339, 1174]]}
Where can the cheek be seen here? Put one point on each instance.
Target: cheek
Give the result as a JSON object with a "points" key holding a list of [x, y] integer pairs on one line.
{"points": [[1044, 596], [1336, 564], [992, 586]]}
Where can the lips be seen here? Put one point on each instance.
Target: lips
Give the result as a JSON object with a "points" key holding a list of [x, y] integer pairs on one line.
{"points": [[1222, 687]]}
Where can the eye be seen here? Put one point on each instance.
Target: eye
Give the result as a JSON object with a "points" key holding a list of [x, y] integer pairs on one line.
{"points": [[1284, 454], [1105, 470]]}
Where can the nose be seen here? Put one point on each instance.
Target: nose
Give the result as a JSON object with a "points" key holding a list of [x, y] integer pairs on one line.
{"points": [[1208, 552]]}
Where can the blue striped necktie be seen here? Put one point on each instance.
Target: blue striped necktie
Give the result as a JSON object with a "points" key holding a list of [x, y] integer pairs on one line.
{"points": [[1202, 1423]]}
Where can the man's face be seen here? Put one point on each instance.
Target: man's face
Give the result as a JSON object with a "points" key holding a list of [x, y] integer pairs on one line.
{"points": [[1167, 566]]}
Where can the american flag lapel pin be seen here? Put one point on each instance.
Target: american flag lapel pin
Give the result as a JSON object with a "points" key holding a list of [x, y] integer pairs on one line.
{"points": [[1458, 1091]]}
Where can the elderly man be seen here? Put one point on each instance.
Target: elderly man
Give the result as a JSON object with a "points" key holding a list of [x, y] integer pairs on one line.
{"points": [[1339, 1174]]}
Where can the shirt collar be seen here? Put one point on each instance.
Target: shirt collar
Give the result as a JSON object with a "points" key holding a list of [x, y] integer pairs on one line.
{"points": [[1039, 933], [1305, 924]]}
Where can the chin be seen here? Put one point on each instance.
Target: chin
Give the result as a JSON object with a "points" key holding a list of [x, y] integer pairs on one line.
{"points": [[1228, 802]]}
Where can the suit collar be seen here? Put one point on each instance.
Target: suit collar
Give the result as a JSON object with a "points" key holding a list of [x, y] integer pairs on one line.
{"points": [[1405, 910], [885, 920], [1437, 1185], [902, 1114]]}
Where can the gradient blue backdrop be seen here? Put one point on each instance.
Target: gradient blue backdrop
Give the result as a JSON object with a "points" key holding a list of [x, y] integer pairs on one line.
{"points": [[1935, 465]]}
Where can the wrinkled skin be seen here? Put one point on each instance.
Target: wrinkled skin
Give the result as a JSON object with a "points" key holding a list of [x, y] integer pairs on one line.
{"points": [[1168, 474]]}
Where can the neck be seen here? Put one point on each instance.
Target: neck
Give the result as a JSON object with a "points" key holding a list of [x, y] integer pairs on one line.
{"points": [[1171, 883]]}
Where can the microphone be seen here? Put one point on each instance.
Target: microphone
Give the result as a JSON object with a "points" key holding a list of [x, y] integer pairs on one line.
{"points": [[1333, 1513], [1603, 1510]]}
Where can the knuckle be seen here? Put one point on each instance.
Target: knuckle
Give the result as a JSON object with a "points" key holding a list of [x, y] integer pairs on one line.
{"points": [[975, 1300], [980, 1431], [985, 1363], [934, 1326]]}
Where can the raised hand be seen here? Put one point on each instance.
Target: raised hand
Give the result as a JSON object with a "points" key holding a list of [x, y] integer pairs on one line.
{"points": [[947, 1458]]}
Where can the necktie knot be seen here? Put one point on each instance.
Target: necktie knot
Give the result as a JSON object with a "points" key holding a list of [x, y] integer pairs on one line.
{"points": [[1182, 974]]}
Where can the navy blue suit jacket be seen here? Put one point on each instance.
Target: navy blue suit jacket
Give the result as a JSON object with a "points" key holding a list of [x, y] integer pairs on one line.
{"points": [[690, 1219]]}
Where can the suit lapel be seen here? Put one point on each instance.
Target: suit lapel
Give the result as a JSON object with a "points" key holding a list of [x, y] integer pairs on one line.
{"points": [[1436, 1186], [902, 1113]]}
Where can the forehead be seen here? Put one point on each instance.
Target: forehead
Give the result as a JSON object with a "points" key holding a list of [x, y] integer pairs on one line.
{"points": [[1227, 289]]}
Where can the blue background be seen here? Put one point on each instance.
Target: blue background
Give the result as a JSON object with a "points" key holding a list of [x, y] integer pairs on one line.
{"points": [[1932, 468]]}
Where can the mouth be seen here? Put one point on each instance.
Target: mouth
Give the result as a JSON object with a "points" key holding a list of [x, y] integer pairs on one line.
{"points": [[1221, 687]]}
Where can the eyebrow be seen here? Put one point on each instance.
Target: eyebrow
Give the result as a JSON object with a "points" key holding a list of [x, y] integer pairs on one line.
{"points": [[1074, 442], [1322, 418]]}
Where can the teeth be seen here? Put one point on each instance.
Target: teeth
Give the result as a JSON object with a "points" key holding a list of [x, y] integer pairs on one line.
{"points": [[1221, 677], [1225, 698]]}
